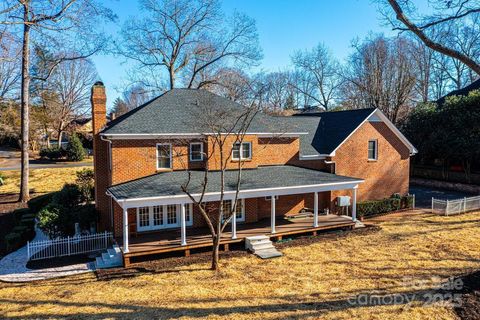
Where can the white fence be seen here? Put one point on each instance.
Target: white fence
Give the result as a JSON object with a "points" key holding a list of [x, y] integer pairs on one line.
{"points": [[60, 247], [448, 207]]}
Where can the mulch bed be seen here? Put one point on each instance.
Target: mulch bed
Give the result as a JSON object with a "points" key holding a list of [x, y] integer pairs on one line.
{"points": [[470, 306], [167, 263]]}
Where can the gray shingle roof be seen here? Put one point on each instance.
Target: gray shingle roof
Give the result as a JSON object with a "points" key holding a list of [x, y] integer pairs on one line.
{"points": [[187, 111], [178, 111], [333, 128], [168, 183]]}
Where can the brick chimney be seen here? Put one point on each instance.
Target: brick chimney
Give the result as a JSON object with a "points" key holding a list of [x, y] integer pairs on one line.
{"points": [[99, 107], [100, 157]]}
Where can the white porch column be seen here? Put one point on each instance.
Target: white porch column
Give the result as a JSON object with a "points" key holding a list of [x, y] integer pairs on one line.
{"points": [[354, 203], [125, 230], [315, 209], [272, 209], [183, 230], [234, 224]]}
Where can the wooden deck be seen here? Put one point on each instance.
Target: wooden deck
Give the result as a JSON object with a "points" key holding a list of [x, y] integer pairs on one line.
{"points": [[169, 241]]}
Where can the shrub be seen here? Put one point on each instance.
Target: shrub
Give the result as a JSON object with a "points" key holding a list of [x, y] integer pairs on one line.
{"points": [[374, 207], [86, 184], [38, 203], [13, 241], [50, 220], [69, 197], [51, 153], [85, 216], [75, 150]]}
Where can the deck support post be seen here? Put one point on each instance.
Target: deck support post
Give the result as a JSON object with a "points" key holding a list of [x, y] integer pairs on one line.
{"points": [[234, 225], [125, 230], [183, 230], [315, 209], [354, 203], [272, 209]]}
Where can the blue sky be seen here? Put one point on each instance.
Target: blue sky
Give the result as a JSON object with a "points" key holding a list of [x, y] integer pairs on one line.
{"points": [[284, 26]]}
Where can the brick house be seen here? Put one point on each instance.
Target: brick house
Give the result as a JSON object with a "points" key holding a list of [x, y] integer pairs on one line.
{"points": [[290, 165]]}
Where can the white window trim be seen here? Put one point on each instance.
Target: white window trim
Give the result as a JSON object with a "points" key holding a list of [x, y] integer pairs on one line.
{"points": [[201, 151], [241, 151], [269, 198], [165, 225], [376, 150], [242, 202], [171, 160]]}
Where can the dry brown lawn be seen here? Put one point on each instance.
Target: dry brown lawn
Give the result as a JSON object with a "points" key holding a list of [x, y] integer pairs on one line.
{"points": [[314, 279], [41, 180]]}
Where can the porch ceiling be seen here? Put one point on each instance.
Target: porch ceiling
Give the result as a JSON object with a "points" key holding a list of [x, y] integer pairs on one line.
{"points": [[266, 179]]}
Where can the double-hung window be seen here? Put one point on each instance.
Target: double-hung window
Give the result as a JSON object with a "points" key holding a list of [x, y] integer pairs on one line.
{"points": [[196, 151], [242, 151], [164, 156], [373, 150]]}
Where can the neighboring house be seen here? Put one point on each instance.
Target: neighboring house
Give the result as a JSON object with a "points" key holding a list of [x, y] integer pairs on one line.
{"points": [[475, 85], [292, 164]]}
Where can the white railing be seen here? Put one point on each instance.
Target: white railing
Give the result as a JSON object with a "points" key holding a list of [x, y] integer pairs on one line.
{"points": [[448, 207], [68, 246]]}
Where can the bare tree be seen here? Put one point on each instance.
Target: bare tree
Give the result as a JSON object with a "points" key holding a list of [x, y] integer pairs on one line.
{"points": [[319, 75], [60, 25], [444, 12], [231, 83], [186, 38], [277, 89], [222, 127], [69, 86], [9, 66], [380, 74]]}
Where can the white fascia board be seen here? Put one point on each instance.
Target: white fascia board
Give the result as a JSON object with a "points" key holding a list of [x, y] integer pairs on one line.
{"points": [[134, 136], [378, 116], [230, 195], [397, 132], [313, 157]]}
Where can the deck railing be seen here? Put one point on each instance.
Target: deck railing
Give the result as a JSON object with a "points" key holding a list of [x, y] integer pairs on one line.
{"points": [[448, 207], [68, 246]]}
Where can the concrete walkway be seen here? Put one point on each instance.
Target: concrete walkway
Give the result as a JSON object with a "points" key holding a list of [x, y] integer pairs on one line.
{"points": [[13, 267]]}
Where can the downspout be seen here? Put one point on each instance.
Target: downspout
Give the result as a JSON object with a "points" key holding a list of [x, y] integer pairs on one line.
{"points": [[333, 164], [110, 177]]}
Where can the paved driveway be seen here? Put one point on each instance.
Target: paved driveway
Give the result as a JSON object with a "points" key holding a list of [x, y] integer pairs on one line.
{"points": [[423, 195], [10, 160]]}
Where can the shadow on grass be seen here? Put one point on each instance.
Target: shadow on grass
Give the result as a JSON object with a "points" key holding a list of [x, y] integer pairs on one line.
{"points": [[308, 306]]}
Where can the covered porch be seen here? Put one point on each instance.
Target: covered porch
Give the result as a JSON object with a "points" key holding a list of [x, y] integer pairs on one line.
{"points": [[162, 195], [169, 241]]}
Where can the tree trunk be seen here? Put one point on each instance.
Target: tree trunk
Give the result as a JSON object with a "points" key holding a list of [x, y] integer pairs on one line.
{"points": [[60, 137], [24, 191], [215, 252], [172, 77]]}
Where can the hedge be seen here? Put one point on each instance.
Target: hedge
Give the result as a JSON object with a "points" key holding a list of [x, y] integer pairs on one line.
{"points": [[374, 207], [52, 153]]}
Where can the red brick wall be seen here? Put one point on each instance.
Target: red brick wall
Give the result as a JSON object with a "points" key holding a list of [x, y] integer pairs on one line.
{"points": [[388, 175], [133, 159]]}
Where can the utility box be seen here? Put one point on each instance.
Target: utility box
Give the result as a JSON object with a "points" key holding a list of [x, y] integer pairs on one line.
{"points": [[343, 201]]}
